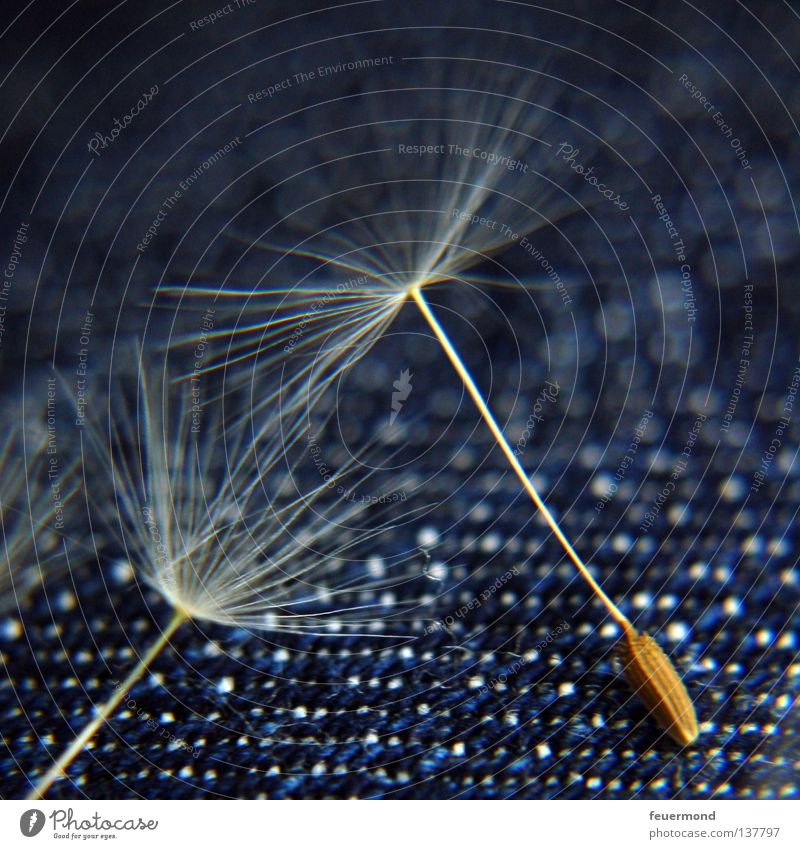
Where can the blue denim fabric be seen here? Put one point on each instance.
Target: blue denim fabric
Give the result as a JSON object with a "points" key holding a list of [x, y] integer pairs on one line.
{"points": [[500, 699]]}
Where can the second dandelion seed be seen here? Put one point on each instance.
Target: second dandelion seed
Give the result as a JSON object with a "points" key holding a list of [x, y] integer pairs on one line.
{"points": [[220, 524]]}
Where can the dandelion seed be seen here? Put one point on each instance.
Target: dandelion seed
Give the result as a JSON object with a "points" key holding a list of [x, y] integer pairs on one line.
{"points": [[31, 516], [200, 520], [433, 219], [654, 679]]}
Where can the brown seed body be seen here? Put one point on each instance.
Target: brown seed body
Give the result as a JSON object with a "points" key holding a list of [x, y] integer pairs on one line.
{"points": [[654, 679]]}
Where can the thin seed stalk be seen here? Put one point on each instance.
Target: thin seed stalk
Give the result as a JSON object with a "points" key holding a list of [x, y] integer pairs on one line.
{"points": [[649, 671], [105, 711], [494, 427]]}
